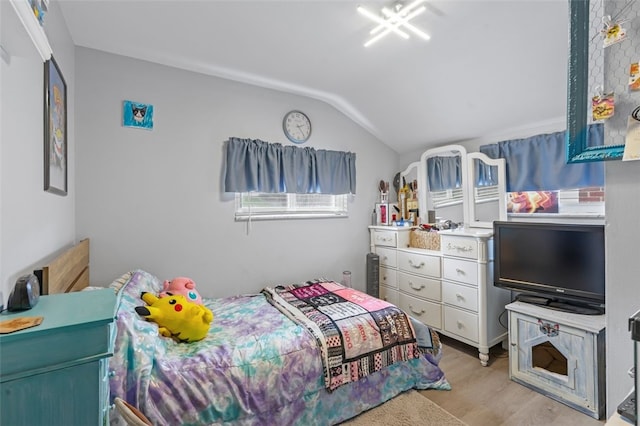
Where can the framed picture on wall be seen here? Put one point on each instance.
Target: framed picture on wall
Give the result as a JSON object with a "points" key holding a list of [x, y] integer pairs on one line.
{"points": [[136, 114], [55, 129]]}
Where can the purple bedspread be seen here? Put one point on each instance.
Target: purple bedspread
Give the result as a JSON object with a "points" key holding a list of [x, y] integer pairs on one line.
{"points": [[255, 367]]}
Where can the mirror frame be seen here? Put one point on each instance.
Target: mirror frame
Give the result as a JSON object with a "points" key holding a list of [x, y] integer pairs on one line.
{"points": [[578, 150], [422, 176], [500, 163]]}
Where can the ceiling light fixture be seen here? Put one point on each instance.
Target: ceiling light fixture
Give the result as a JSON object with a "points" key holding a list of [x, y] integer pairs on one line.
{"points": [[395, 20]]}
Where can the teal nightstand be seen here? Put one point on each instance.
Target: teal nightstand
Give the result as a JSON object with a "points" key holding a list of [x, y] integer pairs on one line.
{"points": [[57, 372]]}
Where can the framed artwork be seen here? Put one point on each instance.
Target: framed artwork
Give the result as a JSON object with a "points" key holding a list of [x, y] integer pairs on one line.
{"points": [[382, 213], [135, 114], [55, 129]]}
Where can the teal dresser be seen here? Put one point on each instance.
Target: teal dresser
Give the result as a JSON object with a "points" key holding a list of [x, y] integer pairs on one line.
{"points": [[57, 372]]}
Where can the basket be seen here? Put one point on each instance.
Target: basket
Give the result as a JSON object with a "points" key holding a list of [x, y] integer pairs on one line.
{"points": [[428, 240]]}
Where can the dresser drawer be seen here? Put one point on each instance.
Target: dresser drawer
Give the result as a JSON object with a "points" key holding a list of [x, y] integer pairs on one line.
{"points": [[389, 295], [460, 295], [461, 323], [464, 271], [387, 257], [459, 246], [429, 313], [385, 238], [388, 277], [420, 286], [419, 263]]}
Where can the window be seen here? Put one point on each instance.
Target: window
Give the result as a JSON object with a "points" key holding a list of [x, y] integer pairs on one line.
{"points": [[264, 206], [448, 197], [581, 202]]}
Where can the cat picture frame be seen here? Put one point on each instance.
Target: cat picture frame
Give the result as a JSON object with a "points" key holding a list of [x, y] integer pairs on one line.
{"points": [[136, 114], [55, 129]]}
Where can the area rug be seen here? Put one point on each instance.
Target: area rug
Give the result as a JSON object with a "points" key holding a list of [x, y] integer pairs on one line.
{"points": [[407, 409]]}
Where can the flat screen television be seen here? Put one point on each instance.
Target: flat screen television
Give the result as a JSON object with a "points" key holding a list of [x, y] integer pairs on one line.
{"points": [[558, 265]]}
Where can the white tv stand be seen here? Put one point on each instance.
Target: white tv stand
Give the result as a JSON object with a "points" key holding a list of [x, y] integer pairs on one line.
{"points": [[560, 354]]}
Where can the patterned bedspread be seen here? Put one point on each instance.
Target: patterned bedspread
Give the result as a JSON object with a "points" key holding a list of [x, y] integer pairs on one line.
{"points": [[358, 334], [255, 367]]}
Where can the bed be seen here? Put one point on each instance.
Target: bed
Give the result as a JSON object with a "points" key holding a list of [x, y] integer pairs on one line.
{"points": [[265, 360], [67, 272]]}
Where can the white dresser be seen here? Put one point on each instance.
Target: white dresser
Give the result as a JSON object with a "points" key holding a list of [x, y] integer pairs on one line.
{"points": [[473, 308], [450, 290], [385, 240], [419, 275]]}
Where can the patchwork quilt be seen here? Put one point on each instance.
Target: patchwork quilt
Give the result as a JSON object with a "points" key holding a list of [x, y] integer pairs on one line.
{"points": [[358, 334]]}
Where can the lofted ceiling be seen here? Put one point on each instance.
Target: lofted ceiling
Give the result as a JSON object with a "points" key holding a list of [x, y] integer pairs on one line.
{"points": [[490, 66]]}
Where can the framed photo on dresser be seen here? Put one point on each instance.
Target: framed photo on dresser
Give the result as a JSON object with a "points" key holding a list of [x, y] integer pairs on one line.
{"points": [[382, 214]]}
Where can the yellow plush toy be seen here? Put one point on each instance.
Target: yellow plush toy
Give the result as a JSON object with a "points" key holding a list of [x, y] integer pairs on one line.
{"points": [[176, 316]]}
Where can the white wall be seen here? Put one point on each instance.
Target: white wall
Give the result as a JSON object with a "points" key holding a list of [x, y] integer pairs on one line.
{"points": [[33, 223], [153, 199]]}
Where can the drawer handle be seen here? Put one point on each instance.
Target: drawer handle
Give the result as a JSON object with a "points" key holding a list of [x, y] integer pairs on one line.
{"points": [[111, 373], [459, 248], [459, 296], [414, 265], [416, 288], [460, 324], [385, 257], [422, 311], [460, 271]]}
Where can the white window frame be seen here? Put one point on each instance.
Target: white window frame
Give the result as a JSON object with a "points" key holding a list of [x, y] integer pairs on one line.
{"points": [[446, 198], [289, 206]]}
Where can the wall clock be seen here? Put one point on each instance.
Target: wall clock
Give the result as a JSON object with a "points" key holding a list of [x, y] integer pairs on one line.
{"points": [[296, 126]]}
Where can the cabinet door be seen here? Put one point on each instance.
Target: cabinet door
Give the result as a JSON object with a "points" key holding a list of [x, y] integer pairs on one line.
{"points": [[574, 352], [65, 397]]}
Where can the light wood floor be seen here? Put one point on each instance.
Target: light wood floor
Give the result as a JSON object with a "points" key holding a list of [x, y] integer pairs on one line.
{"points": [[484, 396]]}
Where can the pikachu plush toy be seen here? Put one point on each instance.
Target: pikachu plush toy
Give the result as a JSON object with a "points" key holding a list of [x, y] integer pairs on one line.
{"points": [[176, 316]]}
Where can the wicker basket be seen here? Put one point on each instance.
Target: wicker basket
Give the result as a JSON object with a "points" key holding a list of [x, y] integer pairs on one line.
{"points": [[424, 239]]}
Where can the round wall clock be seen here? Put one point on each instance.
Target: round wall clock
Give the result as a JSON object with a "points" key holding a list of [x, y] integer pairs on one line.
{"points": [[296, 126]]}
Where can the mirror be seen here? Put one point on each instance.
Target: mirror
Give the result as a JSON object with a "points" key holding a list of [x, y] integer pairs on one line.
{"points": [[586, 77], [487, 190], [410, 176], [453, 206]]}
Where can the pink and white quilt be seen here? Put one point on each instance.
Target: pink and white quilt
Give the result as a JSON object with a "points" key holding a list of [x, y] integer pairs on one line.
{"points": [[358, 334]]}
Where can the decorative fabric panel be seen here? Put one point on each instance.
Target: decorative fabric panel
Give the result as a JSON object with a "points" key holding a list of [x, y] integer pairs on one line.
{"points": [[253, 165], [444, 172], [539, 163]]}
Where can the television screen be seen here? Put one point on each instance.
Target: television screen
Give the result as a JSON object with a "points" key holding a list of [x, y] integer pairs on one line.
{"points": [[558, 261]]}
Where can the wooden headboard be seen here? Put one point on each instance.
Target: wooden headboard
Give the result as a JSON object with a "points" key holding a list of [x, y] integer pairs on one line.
{"points": [[67, 272]]}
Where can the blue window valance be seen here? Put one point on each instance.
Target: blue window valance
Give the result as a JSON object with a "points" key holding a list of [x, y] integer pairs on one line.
{"points": [[539, 163], [253, 165]]}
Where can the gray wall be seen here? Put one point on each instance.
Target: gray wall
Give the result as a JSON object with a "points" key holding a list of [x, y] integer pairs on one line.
{"points": [[153, 199], [33, 224]]}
